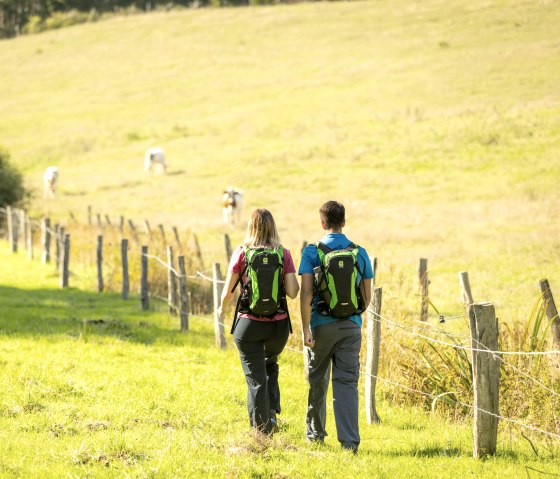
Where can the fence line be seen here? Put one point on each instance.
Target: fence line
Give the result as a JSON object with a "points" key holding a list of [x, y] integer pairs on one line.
{"points": [[466, 348], [434, 396]]}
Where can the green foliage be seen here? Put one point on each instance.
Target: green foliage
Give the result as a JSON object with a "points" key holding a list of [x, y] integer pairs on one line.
{"points": [[12, 190]]}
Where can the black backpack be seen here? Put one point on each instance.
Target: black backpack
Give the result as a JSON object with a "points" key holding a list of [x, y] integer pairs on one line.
{"points": [[336, 282], [263, 294]]}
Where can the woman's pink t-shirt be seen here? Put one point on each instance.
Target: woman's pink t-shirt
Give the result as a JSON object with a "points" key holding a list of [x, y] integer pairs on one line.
{"points": [[237, 264]]}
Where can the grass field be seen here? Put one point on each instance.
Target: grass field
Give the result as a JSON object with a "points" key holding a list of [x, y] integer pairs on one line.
{"points": [[436, 124], [92, 387]]}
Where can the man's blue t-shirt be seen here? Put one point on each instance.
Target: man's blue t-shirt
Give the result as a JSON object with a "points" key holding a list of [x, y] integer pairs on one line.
{"points": [[310, 259]]}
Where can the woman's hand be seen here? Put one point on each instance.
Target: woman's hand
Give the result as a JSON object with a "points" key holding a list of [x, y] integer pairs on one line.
{"points": [[221, 314], [308, 338]]}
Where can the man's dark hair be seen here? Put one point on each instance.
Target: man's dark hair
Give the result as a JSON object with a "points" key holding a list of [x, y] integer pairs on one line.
{"points": [[333, 214]]}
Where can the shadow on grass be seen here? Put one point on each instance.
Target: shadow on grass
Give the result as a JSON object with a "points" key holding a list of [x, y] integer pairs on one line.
{"points": [[71, 312]]}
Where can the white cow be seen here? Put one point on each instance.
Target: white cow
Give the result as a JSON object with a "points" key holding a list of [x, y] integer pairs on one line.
{"points": [[50, 181], [154, 157], [233, 203]]}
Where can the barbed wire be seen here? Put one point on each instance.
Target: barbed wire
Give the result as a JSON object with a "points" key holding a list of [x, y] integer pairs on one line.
{"points": [[466, 348]]}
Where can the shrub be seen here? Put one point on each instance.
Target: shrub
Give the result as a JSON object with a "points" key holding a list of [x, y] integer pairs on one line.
{"points": [[12, 191]]}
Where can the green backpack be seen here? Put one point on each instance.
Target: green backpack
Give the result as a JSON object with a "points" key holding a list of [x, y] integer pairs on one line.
{"points": [[337, 281], [263, 294]]}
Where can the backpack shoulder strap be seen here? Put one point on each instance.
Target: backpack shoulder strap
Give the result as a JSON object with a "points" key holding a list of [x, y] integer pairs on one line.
{"points": [[322, 250]]}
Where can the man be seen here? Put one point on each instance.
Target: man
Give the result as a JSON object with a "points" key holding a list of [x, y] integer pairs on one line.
{"points": [[332, 341]]}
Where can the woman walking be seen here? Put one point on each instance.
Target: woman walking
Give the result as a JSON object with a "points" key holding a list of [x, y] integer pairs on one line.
{"points": [[261, 324]]}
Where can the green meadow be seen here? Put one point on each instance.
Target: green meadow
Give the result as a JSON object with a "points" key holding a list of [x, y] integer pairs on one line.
{"points": [[436, 123], [93, 387]]}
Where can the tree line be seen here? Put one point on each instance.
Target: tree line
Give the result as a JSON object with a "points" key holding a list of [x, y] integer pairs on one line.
{"points": [[29, 16]]}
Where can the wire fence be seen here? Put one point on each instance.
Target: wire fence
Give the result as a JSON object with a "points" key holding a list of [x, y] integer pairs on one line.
{"points": [[417, 332]]}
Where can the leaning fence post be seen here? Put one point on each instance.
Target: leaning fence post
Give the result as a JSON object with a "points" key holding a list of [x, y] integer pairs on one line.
{"points": [[183, 296], [228, 247], [162, 231], [198, 251], [65, 262], [108, 220], [121, 225], [144, 281], [466, 289], [89, 215], [171, 282], [424, 282], [133, 230], [551, 312], [100, 263], [148, 229], [486, 377], [372, 357], [46, 240], [218, 287], [177, 238], [124, 257], [99, 223]]}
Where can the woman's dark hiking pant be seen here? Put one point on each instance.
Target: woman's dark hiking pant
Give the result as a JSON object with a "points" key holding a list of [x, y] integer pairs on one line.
{"points": [[259, 344]]}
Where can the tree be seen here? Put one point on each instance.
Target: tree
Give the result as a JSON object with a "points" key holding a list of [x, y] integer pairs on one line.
{"points": [[12, 190]]}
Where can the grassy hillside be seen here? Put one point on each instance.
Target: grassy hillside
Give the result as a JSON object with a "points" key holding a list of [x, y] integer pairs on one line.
{"points": [[437, 125], [92, 387]]}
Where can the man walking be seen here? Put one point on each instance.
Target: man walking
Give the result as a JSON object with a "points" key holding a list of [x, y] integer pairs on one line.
{"points": [[332, 325]]}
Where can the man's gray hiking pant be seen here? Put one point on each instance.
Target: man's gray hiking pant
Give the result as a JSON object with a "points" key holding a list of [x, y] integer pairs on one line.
{"points": [[337, 345]]}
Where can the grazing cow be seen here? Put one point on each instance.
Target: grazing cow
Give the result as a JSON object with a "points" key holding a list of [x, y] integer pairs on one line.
{"points": [[154, 160], [50, 181], [233, 203]]}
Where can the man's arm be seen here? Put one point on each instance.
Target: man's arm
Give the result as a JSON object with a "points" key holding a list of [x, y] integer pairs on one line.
{"points": [[305, 298], [365, 286]]}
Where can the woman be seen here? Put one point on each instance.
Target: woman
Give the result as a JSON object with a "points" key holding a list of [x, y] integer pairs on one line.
{"points": [[260, 339]]}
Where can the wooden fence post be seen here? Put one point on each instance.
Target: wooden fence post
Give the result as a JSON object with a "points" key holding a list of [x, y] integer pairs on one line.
{"points": [[171, 282], [218, 287], [22, 220], [198, 251], [108, 220], [374, 269], [424, 282], [144, 299], [466, 289], [99, 223], [121, 225], [29, 235], [177, 238], [61, 237], [65, 262], [183, 296], [372, 356], [551, 312], [9, 225], [124, 258], [12, 229], [228, 247], [99, 254], [56, 240], [89, 215], [148, 229], [486, 378], [133, 230], [46, 240], [162, 231]]}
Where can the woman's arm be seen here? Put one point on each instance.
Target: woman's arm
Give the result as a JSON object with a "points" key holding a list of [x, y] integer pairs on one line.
{"points": [[227, 294], [291, 285]]}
